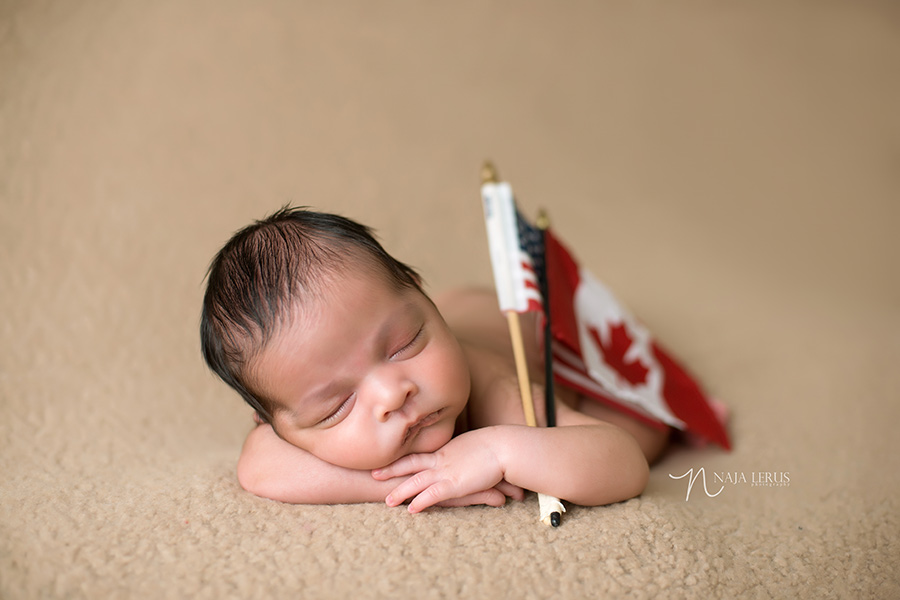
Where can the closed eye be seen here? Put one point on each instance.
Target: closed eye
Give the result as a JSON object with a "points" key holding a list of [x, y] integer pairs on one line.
{"points": [[340, 412], [410, 345]]}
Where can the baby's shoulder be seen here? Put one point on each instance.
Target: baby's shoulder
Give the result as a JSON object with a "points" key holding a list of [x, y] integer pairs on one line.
{"points": [[494, 398]]}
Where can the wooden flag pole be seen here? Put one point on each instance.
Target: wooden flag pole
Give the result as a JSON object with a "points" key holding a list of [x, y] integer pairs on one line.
{"points": [[489, 175], [515, 334], [550, 507]]}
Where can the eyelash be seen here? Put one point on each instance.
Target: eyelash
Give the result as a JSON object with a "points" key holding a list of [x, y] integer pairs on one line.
{"points": [[337, 413], [411, 342]]}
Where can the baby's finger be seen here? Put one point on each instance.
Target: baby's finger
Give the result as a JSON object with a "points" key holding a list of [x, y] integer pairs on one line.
{"points": [[513, 491], [413, 486], [407, 465], [433, 494]]}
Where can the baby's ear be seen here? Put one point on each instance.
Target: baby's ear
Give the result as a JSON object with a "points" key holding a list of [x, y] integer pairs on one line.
{"points": [[256, 417]]}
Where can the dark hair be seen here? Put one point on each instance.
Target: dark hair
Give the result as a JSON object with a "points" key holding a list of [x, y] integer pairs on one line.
{"points": [[263, 269]]}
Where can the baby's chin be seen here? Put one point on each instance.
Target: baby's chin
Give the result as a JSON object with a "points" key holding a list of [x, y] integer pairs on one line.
{"points": [[426, 441], [431, 439]]}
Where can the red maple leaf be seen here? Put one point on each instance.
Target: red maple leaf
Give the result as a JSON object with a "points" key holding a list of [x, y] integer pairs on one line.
{"points": [[634, 372]]}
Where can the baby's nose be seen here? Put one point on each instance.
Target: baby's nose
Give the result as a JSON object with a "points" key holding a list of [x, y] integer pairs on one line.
{"points": [[394, 398]]}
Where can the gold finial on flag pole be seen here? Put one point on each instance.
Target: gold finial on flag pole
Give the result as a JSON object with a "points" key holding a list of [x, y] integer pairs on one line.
{"points": [[489, 173], [542, 221]]}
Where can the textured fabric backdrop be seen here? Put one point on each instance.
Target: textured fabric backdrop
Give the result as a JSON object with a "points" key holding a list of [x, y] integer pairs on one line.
{"points": [[729, 169]]}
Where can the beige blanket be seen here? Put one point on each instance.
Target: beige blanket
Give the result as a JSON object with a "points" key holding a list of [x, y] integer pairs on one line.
{"points": [[730, 169]]}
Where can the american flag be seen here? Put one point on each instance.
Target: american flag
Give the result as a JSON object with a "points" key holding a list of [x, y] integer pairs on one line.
{"points": [[515, 245], [531, 244]]}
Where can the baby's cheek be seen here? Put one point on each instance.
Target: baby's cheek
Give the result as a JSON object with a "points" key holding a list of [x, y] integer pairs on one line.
{"points": [[459, 375]]}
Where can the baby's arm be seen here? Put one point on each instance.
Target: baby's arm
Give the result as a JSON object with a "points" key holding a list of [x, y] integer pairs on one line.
{"points": [[272, 468], [583, 460]]}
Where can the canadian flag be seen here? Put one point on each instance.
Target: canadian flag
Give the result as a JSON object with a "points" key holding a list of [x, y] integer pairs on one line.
{"points": [[601, 350], [598, 347]]}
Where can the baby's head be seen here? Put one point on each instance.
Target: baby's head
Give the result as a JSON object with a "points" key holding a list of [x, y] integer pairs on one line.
{"points": [[331, 340]]}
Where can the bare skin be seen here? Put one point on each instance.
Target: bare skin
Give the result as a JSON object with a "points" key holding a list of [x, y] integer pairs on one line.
{"points": [[473, 316], [594, 456]]}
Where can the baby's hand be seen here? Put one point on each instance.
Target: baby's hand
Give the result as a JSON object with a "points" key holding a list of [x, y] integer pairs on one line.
{"points": [[465, 471], [496, 496]]}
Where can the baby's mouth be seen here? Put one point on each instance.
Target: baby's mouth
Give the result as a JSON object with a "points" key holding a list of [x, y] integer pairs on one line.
{"points": [[421, 424]]}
